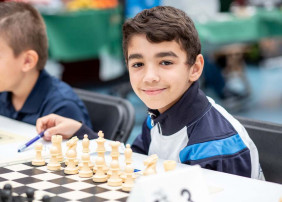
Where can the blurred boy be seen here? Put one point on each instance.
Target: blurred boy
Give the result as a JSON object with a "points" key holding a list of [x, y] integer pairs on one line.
{"points": [[27, 92], [163, 53]]}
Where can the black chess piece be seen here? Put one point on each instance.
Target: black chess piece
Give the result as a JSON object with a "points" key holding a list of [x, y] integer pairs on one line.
{"points": [[46, 198], [29, 194], [1, 195], [8, 187], [6, 195], [17, 199]]}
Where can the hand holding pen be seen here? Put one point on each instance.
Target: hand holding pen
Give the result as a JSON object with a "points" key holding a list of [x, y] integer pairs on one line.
{"points": [[54, 124]]}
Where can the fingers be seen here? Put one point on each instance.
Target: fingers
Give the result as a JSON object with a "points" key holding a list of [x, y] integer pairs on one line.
{"points": [[57, 125], [46, 122], [50, 132], [54, 130], [47, 136]]}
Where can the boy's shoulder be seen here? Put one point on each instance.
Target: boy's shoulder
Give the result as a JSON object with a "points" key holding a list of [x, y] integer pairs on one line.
{"points": [[216, 124], [55, 88], [59, 98]]}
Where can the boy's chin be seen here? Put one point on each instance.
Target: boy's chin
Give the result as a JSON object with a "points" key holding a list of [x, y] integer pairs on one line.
{"points": [[151, 106], [154, 106]]}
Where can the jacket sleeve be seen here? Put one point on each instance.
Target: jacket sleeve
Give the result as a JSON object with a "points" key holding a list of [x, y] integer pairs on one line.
{"points": [[237, 164], [142, 142]]}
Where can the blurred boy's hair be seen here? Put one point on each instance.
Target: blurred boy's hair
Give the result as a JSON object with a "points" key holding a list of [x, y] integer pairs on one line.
{"points": [[23, 28], [164, 23]]}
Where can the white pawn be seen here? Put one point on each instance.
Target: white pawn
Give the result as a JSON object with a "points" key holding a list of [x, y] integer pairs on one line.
{"points": [[53, 163], [38, 161], [128, 155], [71, 168], [129, 178], [114, 180], [85, 170], [85, 144], [99, 175]]}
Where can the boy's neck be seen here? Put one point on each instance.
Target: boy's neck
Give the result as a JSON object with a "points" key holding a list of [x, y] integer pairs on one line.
{"points": [[23, 89]]}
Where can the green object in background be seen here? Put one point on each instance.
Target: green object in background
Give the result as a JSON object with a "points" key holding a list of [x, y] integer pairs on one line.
{"points": [[271, 22], [234, 29], [81, 35]]}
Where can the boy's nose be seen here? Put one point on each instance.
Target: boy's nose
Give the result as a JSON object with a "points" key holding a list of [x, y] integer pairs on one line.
{"points": [[151, 74]]}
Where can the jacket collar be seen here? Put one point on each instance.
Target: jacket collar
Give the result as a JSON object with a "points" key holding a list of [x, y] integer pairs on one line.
{"points": [[192, 105]]}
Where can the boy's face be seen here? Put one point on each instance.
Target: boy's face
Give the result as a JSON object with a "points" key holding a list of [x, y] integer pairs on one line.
{"points": [[10, 73], [158, 72]]}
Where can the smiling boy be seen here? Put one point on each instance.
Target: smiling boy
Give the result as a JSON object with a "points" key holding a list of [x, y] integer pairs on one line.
{"points": [[163, 54]]}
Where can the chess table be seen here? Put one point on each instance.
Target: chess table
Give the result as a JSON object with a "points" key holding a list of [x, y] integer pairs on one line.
{"points": [[72, 188]]}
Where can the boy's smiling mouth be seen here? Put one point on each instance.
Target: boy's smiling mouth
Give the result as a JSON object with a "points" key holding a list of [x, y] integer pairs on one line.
{"points": [[153, 91]]}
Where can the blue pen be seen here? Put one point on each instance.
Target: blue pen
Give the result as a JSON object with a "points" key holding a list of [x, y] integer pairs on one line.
{"points": [[30, 142]]}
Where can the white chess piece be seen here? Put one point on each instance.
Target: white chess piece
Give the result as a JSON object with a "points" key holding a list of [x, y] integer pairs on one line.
{"points": [[129, 178], [99, 175], [128, 155], [150, 164], [71, 168], [53, 163], [72, 144], [169, 165], [85, 144], [115, 151], [38, 161], [57, 142], [114, 180], [101, 150], [85, 170]]}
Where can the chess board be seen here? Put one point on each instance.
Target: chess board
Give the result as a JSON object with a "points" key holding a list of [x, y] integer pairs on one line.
{"points": [[57, 185]]}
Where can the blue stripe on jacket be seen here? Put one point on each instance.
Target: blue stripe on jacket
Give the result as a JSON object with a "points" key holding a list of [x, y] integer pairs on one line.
{"points": [[149, 122], [227, 146]]}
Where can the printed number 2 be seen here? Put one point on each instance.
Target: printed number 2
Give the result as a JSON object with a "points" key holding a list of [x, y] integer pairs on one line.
{"points": [[186, 192]]}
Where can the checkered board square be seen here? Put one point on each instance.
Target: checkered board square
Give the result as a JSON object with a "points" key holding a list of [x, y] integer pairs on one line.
{"points": [[57, 185]]}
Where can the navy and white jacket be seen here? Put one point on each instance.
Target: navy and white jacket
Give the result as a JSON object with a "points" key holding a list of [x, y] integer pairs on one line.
{"points": [[198, 131]]}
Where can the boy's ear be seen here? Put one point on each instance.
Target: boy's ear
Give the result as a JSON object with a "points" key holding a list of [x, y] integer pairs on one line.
{"points": [[197, 69], [30, 59]]}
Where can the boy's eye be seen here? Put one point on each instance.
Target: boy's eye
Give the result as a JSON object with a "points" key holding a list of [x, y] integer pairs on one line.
{"points": [[166, 63], [136, 65]]}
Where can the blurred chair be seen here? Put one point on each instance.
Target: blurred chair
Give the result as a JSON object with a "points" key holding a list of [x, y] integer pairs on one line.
{"points": [[113, 115], [268, 139]]}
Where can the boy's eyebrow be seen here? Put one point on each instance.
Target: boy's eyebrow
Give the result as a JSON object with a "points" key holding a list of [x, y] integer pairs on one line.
{"points": [[158, 55], [165, 54], [135, 56]]}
